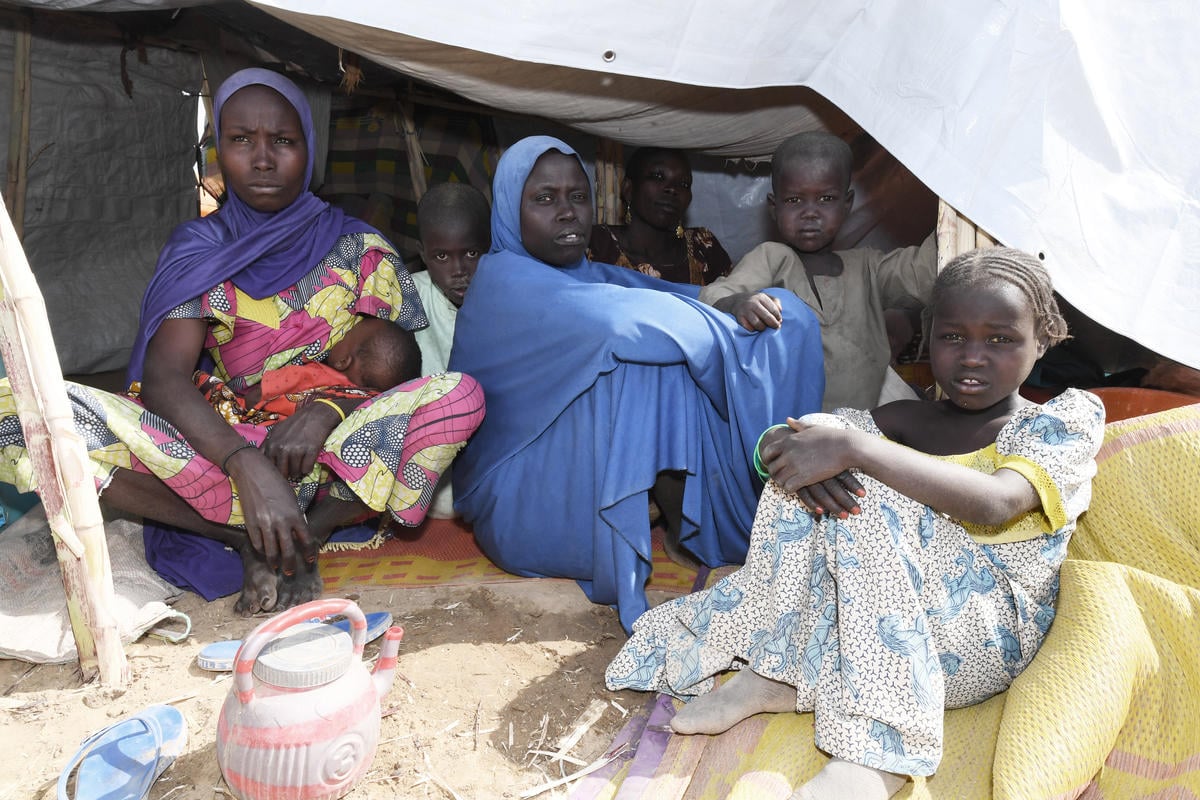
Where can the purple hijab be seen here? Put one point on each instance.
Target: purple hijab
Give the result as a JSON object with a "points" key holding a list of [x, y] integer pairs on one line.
{"points": [[262, 253]]}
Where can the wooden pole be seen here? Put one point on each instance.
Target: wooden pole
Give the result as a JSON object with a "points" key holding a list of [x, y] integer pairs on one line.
{"points": [[956, 234], [61, 467], [18, 132], [947, 233]]}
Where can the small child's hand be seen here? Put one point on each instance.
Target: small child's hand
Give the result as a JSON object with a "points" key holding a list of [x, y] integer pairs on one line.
{"points": [[759, 311]]}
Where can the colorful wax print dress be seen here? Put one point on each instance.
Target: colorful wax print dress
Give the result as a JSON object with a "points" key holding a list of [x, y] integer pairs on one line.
{"points": [[884, 619], [706, 258], [389, 452]]}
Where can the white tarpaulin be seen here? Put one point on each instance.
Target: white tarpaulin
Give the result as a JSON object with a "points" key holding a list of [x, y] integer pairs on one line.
{"points": [[1060, 126]]}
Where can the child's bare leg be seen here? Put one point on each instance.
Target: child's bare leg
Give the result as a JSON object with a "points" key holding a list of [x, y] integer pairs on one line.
{"points": [[323, 517], [845, 780], [145, 495], [745, 694]]}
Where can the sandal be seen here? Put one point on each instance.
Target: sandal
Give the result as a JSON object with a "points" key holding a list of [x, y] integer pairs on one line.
{"points": [[219, 656], [122, 761]]}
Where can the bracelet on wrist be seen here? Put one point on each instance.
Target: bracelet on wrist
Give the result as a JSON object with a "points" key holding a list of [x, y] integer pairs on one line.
{"points": [[232, 453], [758, 465], [333, 405]]}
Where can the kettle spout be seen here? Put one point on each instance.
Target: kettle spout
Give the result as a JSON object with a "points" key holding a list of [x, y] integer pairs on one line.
{"points": [[385, 665]]}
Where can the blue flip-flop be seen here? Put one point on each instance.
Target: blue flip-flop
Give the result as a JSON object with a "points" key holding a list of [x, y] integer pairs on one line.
{"points": [[122, 761], [219, 656]]}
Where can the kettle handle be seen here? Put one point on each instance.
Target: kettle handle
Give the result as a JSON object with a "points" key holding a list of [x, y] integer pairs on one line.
{"points": [[243, 664]]}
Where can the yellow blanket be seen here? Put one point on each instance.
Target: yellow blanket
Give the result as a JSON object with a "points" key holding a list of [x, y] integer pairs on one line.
{"points": [[1109, 708]]}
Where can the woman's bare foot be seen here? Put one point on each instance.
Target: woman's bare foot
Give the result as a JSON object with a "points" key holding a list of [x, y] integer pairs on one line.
{"points": [[260, 584], [301, 587], [845, 780], [745, 694]]}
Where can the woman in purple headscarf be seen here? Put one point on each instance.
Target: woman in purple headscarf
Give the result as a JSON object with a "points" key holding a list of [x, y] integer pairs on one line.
{"points": [[275, 278]]}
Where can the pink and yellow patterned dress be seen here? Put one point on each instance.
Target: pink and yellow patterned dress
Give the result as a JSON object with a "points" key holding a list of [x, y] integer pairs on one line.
{"points": [[389, 452]]}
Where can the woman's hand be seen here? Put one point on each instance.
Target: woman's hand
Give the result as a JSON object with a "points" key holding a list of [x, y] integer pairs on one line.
{"points": [[758, 311], [813, 462], [274, 523], [294, 443]]}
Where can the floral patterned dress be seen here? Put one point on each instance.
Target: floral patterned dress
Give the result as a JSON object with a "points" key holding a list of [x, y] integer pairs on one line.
{"points": [[884, 619], [706, 258]]}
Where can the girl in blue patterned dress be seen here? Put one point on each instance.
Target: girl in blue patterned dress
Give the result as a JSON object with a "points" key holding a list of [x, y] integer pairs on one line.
{"points": [[903, 560]]}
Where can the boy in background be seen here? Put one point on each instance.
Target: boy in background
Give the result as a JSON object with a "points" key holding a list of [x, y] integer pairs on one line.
{"points": [[454, 224], [848, 290], [455, 229]]}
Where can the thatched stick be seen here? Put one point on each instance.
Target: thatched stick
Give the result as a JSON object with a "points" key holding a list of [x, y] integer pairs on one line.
{"points": [[412, 146], [603, 176], [60, 463], [947, 233], [956, 234], [966, 234], [616, 166], [18, 144], [608, 182]]}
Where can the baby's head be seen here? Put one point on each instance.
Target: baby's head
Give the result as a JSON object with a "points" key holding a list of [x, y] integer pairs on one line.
{"points": [[376, 354], [454, 225], [810, 190], [993, 315]]}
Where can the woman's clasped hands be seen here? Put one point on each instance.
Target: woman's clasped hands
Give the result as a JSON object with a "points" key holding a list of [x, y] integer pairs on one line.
{"points": [[276, 526]]}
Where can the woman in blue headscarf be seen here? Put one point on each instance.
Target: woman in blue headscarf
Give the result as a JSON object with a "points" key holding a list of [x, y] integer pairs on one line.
{"points": [[275, 278], [600, 380]]}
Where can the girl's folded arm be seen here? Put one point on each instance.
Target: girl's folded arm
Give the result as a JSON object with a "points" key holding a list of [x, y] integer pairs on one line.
{"points": [[962, 493], [805, 458]]}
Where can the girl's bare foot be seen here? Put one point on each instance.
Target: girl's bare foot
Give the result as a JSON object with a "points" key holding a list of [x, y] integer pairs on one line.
{"points": [[745, 694], [845, 780]]}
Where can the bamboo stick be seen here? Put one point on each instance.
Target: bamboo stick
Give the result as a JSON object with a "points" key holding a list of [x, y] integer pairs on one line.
{"points": [[18, 139], [60, 464]]}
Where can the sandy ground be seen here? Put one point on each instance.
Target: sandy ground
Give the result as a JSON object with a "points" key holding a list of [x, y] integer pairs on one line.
{"points": [[488, 675]]}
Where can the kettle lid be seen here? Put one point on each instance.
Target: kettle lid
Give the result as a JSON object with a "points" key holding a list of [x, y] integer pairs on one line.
{"points": [[305, 655]]}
